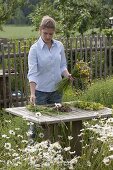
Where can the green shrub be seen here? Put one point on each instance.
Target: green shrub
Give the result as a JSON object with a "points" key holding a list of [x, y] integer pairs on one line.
{"points": [[101, 91]]}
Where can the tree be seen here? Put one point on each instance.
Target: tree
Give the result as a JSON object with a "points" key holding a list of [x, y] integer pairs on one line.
{"points": [[72, 15], [45, 7], [28, 7], [19, 17], [100, 14], [83, 22], [61, 11], [7, 9]]}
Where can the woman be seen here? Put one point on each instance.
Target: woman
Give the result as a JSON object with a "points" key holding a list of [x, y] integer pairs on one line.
{"points": [[47, 64]]}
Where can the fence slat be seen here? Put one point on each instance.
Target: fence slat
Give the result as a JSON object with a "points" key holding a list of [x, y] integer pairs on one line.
{"points": [[25, 73], [20, 73], [16, 76], [91, 56], [71, 53], [3, 77], [95, 40], [85, 46], [80, 39], [9, 77], [100, 57], [105, 58], [110, 56], [76, 40]]}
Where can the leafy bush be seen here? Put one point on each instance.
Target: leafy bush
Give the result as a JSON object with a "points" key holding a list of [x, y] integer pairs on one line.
{"points": [[108, 32], [101, 91]]}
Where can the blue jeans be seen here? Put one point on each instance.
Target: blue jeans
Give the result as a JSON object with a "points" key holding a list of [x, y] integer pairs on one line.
{"points": [[43, 98]]}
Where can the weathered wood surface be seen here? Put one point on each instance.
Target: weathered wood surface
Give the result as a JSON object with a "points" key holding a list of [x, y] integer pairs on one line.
{"points": [[6, 74], [75, 115]]}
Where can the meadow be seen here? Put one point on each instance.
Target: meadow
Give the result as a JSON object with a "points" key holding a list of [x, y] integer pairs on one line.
{"points": [[18, 32]]}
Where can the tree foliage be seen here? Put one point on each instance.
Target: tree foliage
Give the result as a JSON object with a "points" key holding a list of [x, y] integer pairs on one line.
{"points": [[45, 7], [7, 9], [100, 13], [72, 15]]}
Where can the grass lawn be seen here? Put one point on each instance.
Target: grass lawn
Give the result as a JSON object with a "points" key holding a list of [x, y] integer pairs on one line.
{"points": [[15, 32]]}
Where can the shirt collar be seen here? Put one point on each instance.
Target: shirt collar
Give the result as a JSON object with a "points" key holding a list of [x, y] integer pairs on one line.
{"points": [[42, 43]]}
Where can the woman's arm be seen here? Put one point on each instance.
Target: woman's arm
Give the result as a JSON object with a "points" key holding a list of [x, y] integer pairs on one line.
{"points": [[32, 90], [32, 72], [67, 74]]}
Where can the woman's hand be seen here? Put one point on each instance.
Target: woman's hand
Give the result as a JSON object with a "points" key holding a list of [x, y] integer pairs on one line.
{"points": [[32, 99], [70, 77], [32, 90]]}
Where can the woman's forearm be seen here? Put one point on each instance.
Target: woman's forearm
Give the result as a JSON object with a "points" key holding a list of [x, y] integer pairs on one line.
{"points": [[66, 73], [32, 88]]}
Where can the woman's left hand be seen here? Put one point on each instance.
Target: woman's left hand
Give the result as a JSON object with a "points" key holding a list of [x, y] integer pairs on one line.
{"points": [[70, 77]]}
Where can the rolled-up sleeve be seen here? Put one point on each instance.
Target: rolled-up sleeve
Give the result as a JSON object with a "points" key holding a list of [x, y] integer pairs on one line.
{"points": [[32, 65], [63, 65]]}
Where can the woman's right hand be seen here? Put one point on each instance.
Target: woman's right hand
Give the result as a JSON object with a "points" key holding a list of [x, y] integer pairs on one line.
{"points": [[32, 99]]}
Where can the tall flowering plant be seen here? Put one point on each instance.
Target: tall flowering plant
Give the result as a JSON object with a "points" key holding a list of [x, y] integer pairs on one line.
{"points": [[81, 74]]}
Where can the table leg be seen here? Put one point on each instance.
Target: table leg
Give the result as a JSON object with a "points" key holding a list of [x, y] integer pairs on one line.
{"points": [[48, 130], [51, 132], [76, 145], [54, 131]]}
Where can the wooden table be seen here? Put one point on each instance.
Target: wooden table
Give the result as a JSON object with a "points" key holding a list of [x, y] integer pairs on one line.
{"points": [[72, 122]]}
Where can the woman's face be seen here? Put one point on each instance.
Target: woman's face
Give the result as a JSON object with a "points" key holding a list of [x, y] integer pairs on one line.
{"points": [[47, 34]]}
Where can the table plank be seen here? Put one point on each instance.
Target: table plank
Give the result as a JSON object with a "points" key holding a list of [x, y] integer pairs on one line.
{"points": [[75, 115]]}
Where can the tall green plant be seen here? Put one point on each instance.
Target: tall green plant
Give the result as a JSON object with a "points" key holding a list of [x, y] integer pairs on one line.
{"points": [[81, 77], [101, 91]]}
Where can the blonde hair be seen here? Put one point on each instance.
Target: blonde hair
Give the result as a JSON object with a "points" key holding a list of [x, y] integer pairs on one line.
{"points": [[47, 22]]}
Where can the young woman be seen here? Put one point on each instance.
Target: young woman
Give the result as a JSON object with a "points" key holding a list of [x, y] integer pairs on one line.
{"points": [[47, 64]]}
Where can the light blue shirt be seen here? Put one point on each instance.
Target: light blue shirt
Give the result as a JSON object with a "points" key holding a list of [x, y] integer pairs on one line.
{"points": [[46, 65]]}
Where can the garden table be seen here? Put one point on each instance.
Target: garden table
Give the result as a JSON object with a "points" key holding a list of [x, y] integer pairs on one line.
{"points": [[72, 122]]}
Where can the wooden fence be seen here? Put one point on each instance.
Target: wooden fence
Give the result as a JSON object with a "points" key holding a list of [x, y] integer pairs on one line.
{"points": [[14, 86]]}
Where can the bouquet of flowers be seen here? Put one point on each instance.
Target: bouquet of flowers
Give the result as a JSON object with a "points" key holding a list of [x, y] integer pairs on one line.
{"points": [[81, 75]]}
